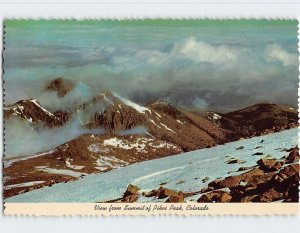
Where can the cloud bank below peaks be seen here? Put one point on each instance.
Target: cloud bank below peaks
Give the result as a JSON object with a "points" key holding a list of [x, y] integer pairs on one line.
{"points": [[276, 52]]}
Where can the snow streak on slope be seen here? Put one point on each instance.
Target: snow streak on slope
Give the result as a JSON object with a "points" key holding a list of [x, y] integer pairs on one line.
{"points": [[137, 107], [179, 171]]}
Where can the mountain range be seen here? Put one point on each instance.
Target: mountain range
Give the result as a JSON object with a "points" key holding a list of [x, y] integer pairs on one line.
{"points": [[120, 132]]}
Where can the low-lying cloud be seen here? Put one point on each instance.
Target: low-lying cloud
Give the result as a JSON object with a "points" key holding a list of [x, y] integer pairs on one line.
{"points": [[23, 139], [199, 51], [276, 52]]}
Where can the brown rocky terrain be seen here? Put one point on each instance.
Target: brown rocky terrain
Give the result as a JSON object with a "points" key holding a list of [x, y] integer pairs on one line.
{"points": [[161, 120], [188, 130], [270, 180], [77, 158], [256, 120]]}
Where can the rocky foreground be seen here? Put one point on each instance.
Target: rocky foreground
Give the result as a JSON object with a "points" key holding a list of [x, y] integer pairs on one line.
{"points": [[269, 181]]}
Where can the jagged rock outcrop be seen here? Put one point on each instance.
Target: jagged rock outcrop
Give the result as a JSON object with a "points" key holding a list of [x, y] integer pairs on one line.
{"points": [[32, 112]]}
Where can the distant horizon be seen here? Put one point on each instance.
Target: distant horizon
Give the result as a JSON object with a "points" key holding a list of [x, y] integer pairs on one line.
{"points": [[186, 109]]}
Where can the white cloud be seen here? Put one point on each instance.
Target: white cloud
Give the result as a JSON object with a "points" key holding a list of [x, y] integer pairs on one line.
{"points": [[275, 52], [189, 49], [200, 51]]}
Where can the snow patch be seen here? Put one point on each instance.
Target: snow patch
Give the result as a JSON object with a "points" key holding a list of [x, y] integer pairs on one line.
{"points": [[157, 114], [139, 145], [216, 116], [105, 162], [152, 121], [180, 122], [167, 128], [96, 149], [68, 164], [62, 172], [115, 142], [163, 145], [26, 184], [137, 107]]}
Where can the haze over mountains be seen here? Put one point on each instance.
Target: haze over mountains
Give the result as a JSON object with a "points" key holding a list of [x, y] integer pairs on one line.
{"points": [[108, 113]]}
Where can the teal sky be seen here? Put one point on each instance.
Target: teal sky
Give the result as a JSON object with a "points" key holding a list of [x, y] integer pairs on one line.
{"points": [[206, 64]]}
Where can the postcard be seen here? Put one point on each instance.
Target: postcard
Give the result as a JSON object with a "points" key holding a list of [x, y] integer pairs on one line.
{"points": [[152, 116]]}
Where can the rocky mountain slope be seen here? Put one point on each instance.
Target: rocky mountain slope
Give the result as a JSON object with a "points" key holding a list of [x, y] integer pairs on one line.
{"points": [[256, 120], [32, 112], [160, 120], [131, 133], [77, 158]]}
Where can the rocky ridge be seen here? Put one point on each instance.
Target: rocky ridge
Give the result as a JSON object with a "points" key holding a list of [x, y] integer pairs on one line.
{"points": [[33, 113]]}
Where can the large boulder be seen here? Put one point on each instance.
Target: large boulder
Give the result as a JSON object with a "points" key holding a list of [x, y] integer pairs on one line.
{"points": [[293, 156], [178, 198], [248, 198], [131, 194], [239, 192], [249, 174], [131, 190], [165, 192], [269, 165], [215, 184], [292, 194], [215, 196], [289, 187], [232, 181], [270, 195], [290, 170], [260, 179], [130, 198], [151, 193], [162, 193]]}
